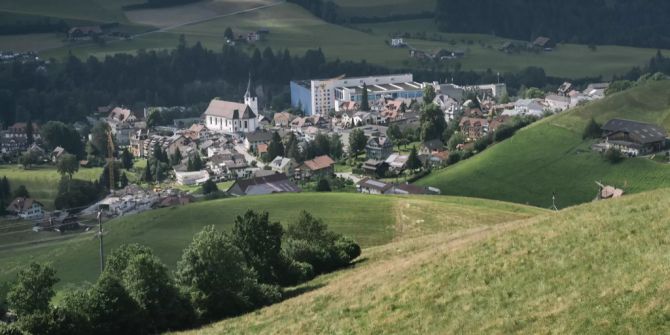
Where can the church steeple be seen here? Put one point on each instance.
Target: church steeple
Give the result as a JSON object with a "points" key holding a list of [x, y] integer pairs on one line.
{"points": [[250, 98]]}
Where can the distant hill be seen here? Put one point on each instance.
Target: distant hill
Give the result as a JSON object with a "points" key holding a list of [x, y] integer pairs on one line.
{"points": [[594, 269], [597, 22], [370, 220], [550, 156]]}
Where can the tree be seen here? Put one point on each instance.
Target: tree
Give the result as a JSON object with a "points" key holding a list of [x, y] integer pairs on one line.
{"points": [[154, 119], [455, 140], [260, 243], [176, 158], [428, 95], [209, 187], [228, 33], [216, 277], [275, 148], [126, 159], [146, 175], [195, 163], [323, 185], [394, 132], [357, 141], [29, 132], [104, 176], [413, 161], [336, 148], [33, 289], [98, 144], [28, 159], [58, 134], [67, 164], [592, 130], [111, 310], [5, 189], [534, 93], [21, 192], [432, 122], [365, 104]]}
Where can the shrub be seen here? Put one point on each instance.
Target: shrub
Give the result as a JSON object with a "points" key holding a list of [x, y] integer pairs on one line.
{"points": [[323, 185], [454, 157], [613, 156]]}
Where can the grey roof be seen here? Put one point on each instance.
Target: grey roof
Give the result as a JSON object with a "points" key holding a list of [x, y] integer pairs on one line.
{"points": [[379, 142], [638, 131], [276, 183], [259, 136]]}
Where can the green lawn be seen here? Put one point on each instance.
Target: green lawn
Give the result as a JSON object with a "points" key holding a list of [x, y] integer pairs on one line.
{"points": [[550, 156], [595, 269], [371, 220], [42, 181]]}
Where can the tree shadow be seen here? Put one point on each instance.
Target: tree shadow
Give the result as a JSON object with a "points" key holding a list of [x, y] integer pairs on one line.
{"points": [[296, 291]]}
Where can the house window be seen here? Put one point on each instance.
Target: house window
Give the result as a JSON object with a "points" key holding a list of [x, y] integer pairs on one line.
{"points": [[245, 124]]}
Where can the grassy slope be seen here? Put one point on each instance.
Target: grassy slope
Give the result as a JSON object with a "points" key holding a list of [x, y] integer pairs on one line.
{"points": [[294, 28], [371, 220], [42, 181], [550, 156], [598, 269]]}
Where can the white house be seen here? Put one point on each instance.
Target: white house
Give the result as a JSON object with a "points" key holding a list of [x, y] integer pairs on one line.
{"points": [[26, 208], [397, 42], [191, 178], [528, 107], [448, 105], [232, 117], [557, 102], [283, 165]]}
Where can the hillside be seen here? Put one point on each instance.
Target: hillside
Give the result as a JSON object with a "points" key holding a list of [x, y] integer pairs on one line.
{"points": [[599, 268], [294, 28], [371, 220], [550, 156]]}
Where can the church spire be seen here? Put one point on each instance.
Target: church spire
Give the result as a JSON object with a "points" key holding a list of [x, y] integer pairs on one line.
{"points": [[250, 91]]}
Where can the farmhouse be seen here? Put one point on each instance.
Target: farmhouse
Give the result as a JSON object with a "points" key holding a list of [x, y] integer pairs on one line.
{"points": [[276, 183], [633, 138], [26, 208], [83, 33], [544, 43]]}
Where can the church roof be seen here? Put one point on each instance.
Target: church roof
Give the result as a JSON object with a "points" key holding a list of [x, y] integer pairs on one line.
{"points": [[229, 110], [250, 91]]}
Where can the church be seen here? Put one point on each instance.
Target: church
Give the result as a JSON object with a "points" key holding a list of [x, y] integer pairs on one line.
{"points": [[233, 117]]}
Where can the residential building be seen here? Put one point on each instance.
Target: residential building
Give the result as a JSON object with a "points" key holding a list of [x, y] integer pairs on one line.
{"points": [[26, 208], [371, 186], [321, 166], [430, 147], [397, 162], [283, 119], [83, 33], [191, 177], [284, 165], [379, 148], [557, 102], [15, 138], [252, 140], [276, 183], [474, 128]]}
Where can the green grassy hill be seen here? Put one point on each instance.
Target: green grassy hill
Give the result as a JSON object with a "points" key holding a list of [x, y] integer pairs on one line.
{"points": [[550, 156], [371, 220], [599, 268], [295, 28]]}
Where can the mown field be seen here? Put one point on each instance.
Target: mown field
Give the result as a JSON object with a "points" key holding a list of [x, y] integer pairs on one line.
{"points": [[550, 156], [371, 220], [296, 29], [594, 269], [42, 181]]}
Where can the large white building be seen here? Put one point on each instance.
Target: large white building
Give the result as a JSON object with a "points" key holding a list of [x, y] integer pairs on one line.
{"points": [[233, 117], [320, 96]]}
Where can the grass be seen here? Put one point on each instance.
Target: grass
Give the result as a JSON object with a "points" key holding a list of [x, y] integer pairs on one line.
{"points": [[42, 181], [292, 27], [371, 220], [595, 269], [550, 156]]}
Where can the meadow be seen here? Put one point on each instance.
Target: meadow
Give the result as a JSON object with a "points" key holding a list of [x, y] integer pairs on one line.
{"points": [[42, 181], [370, 220], [291, 27], [550, 157], [598, 268]]}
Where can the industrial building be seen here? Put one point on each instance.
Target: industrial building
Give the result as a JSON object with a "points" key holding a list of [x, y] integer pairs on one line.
{"points": [[320, 96]]}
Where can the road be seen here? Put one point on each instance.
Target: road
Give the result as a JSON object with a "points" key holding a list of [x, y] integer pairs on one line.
{"points": [[247, 156]]}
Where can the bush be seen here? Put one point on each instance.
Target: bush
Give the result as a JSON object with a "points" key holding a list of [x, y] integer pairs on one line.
{"points": [[292, 272], [483, 143], [613, 156], [504, 132], [323, 185], [454, 157]]}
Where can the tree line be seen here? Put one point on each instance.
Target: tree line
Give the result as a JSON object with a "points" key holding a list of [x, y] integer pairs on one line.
{"points": [[621, 22], [219, 275]]}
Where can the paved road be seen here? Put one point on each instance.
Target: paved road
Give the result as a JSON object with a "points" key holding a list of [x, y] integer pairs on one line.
{"points": [[247, 156]]}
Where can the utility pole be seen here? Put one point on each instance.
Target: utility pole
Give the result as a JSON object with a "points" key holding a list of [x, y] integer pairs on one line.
{"points": [[102, 250]]}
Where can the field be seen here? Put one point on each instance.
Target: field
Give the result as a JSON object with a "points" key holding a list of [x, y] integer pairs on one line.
{"points": [[594, 269], [550, 156], [371, 220], [294, 28], [42, 181]]}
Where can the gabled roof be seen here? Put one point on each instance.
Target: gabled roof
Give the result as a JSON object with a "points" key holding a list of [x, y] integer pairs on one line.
{"points": [[229, 110], [319, 163], [22, 204], [276, 183], [375, 185], [641, 132], [433, 145], [379, 142], [259, 136]]}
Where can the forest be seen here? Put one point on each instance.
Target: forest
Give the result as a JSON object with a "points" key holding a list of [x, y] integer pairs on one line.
{"points": [[594, 22]]}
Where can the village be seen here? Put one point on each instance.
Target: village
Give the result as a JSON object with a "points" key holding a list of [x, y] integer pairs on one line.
{"points": [[364, 134]]}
